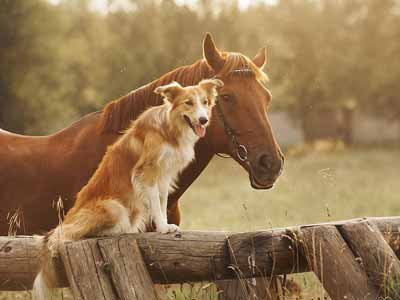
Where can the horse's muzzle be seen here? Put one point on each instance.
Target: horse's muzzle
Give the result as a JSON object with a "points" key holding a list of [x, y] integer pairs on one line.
{"points": [[265, 170]]}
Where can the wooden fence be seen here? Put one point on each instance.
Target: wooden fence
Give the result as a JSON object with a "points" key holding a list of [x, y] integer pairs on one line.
{"points": [[354, 259]]}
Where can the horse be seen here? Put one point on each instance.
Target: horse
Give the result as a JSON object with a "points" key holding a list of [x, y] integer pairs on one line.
{"points": [[36, 172]]}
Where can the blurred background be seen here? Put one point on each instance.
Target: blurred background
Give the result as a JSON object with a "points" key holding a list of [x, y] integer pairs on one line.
{"points": [[333, 64], [334, 73]]}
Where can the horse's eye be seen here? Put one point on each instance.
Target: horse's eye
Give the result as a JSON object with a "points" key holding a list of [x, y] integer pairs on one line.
{"points": [[225, 97], [189, 102]]}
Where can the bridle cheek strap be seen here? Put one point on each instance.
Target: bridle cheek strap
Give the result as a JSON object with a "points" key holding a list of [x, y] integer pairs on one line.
{"points": [[239, 149]]}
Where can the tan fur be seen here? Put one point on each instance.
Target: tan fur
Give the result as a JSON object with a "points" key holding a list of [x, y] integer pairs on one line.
{"points": [[129, 190]]}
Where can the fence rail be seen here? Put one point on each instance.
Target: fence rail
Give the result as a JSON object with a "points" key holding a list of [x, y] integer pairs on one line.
{"points": [[209, 256]]}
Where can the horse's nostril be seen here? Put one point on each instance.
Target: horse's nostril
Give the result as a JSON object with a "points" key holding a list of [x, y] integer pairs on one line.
{"points": [[203, 120], [271, 164], [265, 161]]}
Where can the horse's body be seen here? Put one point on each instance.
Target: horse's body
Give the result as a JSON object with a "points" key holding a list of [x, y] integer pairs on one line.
{"points": [[36, 171]]}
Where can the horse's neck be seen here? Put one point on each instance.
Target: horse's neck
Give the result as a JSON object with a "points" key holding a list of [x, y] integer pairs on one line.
{"points": [[118, 114], [82, 141]]}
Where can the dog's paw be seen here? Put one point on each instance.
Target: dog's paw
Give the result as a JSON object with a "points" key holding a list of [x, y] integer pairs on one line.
{"points": [[168, 228]]}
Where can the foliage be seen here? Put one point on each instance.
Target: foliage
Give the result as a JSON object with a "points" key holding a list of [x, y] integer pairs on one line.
{"points": [[58, 62]]}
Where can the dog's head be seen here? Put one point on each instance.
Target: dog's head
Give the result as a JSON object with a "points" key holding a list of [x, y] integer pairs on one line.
{"points": [[191, 105]]}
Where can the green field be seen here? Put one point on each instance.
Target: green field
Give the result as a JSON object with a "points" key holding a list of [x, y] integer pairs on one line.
{"points": [[315, 187]]}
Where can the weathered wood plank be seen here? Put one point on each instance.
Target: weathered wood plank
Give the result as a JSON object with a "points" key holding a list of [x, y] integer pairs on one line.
{"points": [[334, 264], [127, 269], [272, 249], [189, 256], [84, 266], [252, 250], [18, 262], [377, 258]]}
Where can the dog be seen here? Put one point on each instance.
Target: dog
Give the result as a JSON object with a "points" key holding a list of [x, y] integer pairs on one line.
{"points": [[129, 190]]}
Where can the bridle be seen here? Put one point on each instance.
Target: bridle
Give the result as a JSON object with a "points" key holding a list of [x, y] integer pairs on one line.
{"points": [[240, 149]]}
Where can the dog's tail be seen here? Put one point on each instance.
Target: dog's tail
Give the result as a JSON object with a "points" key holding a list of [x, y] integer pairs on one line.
{"points": [[80, 225], [47, 278], [41, 290]]}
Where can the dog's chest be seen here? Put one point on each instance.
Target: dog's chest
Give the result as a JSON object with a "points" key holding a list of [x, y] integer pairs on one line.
{"points": [[174, 159]]}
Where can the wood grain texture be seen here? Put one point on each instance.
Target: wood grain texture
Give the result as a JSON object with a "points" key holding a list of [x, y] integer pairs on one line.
{"points": [[18, 262], [127, 269], [190, 255], [376, 256], [334, 264], [84, 266]]}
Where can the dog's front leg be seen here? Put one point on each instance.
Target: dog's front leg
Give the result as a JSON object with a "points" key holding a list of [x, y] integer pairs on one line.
{"points": [[164, 187], [146, 178], [158, 216]]}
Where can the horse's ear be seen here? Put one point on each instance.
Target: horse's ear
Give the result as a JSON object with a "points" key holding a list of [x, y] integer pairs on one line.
{"points": [[260, 60], [169, 91], [211, 54]]}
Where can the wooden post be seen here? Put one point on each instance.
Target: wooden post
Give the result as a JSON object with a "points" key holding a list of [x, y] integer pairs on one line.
{"points": [[378, 259], [247, 251], [107, 269], [334, 264], [127, 269], [82, 260]]}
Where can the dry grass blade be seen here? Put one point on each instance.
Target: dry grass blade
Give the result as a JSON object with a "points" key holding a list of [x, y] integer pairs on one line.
{"points": [[15, 220]]}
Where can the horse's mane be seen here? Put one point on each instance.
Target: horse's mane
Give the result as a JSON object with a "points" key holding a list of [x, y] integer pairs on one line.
{"points": [[118, 114]]}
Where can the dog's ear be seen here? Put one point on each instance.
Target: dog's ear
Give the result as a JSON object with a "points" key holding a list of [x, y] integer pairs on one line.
{"points": [[169, 91], [210, 86]]}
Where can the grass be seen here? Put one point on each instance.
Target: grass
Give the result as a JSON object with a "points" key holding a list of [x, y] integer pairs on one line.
{"points": [[315, 187]]}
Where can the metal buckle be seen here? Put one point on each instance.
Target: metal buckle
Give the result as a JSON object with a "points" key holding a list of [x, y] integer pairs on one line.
{"points": [[241, 152]]}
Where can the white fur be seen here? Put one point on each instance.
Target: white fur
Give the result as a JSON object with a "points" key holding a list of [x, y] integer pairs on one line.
{"points": [[154, 198], [40, 289], [201, 111]]}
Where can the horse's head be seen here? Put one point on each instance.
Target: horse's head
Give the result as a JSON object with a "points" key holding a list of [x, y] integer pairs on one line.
{"points": [[240, 126]]}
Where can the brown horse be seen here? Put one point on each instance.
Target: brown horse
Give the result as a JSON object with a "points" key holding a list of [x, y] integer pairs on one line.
{"points": [[36, 171]]}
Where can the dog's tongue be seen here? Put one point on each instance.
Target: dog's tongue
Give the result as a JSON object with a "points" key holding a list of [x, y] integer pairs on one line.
{"points": [[200, 130]]}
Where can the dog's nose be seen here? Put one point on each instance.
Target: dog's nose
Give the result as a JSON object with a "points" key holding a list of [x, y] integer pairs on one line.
{"points": [[203, 120]]}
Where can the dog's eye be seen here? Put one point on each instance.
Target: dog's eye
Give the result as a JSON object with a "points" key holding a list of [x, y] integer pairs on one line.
{"points": [[205, 102], [189, 102]]}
